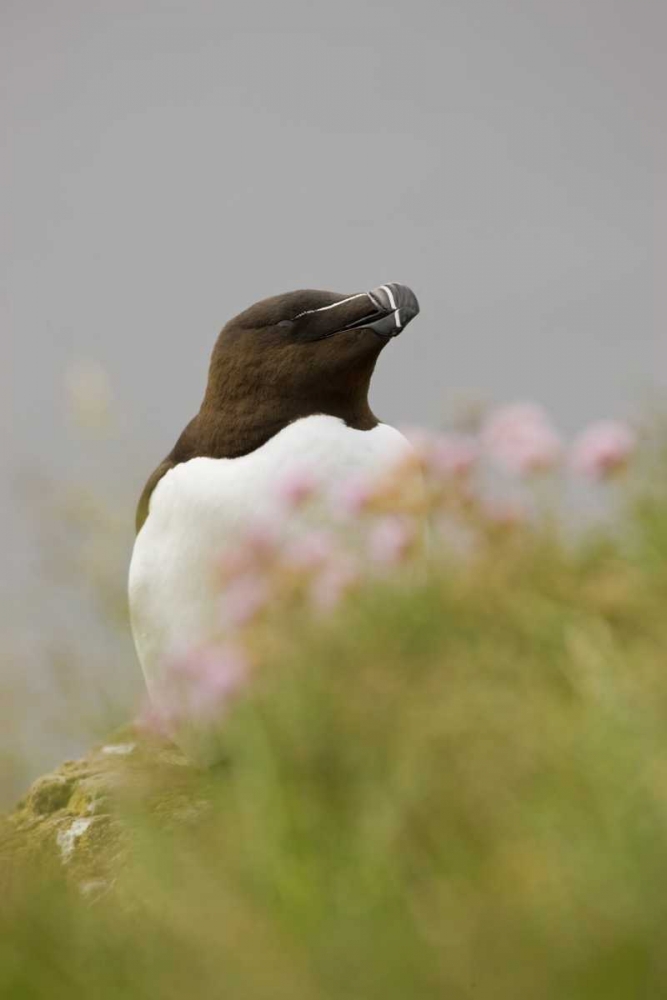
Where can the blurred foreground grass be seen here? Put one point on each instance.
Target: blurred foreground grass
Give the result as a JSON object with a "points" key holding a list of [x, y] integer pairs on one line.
{"points": [[455, 788]]}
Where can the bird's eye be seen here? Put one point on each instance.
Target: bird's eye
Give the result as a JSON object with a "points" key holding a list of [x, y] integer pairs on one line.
{"points": [[286, 322]]}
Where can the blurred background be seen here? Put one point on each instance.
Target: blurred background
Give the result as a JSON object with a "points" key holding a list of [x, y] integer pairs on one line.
{"points": [[165, 165]]}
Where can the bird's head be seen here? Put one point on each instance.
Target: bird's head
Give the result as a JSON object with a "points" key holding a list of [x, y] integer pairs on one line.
{"points": [[307, 351]]}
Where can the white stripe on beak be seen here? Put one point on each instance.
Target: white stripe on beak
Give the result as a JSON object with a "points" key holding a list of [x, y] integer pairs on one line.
{"points": [[397, 311], [350, 298]]}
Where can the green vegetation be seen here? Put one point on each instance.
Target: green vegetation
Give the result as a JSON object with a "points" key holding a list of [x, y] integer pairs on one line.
{"points": [[450, 788]]}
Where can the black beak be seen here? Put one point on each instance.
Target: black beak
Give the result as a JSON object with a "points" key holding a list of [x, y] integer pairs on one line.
{"points": [[393, 307], [385, 310]]}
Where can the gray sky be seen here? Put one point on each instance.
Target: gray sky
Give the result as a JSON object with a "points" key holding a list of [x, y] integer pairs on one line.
{"points": [[166, 164]]}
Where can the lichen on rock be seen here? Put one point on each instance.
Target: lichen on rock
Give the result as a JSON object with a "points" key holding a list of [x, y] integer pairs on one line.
{"points": [[72, 822]]}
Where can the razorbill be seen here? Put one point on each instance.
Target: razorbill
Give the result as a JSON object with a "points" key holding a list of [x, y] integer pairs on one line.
{"points": [[287, 388]]}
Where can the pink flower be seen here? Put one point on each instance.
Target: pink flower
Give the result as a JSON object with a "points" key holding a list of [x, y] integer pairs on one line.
{"points": [[354, 497], [334, 584], [218, 675], [196, 689], [391, 541], [159, 723], [214, 676], [452, 455], [309, 552], [244, 598], [603, 449], [522, 439], [256, 550], [298, 488]]}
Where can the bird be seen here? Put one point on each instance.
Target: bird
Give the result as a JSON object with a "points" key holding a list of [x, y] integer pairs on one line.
{"points": [[287, 389]]}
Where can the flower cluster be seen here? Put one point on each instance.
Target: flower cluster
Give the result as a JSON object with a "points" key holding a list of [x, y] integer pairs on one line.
{"points": [[321, 547]]}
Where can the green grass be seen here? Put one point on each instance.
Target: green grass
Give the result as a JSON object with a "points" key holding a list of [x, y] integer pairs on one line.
{"points": [[454, 789]]}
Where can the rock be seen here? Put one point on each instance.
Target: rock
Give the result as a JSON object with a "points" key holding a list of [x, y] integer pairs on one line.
{"points": [[73, 822]]}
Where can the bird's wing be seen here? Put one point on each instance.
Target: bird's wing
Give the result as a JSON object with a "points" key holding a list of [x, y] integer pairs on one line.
{"points": [[144, 500]]}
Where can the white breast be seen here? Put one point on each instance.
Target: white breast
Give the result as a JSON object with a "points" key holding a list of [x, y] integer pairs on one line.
{"points": [[200, 505]]}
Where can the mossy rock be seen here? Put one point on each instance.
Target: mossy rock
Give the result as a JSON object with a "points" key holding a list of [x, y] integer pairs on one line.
{"points": [[73, 823]]}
